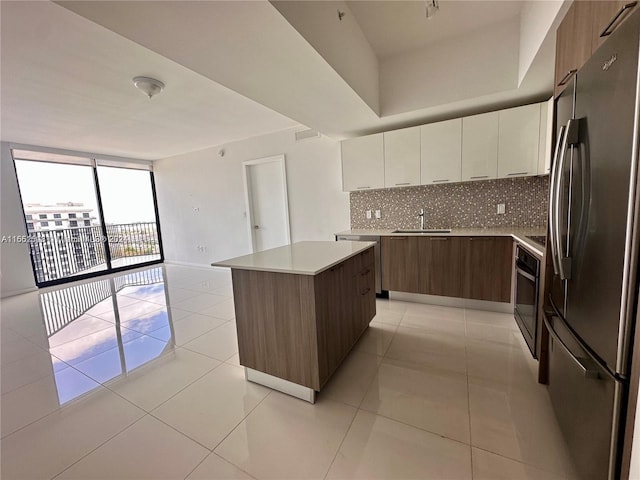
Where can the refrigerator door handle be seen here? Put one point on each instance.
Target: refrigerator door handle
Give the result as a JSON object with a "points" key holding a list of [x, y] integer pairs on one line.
{"points": [[557, 203], [552, 200], [587, 365]]}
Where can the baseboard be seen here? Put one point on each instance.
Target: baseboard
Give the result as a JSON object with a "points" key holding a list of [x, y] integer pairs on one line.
{"points": [[499, 307], [13, 293]]}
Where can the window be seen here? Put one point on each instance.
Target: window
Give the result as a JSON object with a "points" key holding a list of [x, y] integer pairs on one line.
{"points": [[73, 223], [30, 225], [72, 215], [29, 217], [87, 223], [85, 215], [44, 224], [42, 216], [58, 223], [57, 215]]}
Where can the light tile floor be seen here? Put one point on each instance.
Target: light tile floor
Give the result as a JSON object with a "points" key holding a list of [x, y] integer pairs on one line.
{"points": [[145, 382]]}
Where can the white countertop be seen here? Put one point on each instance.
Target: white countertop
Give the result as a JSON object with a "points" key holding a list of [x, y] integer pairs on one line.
{"points": [[302, 258], [519, 234]]}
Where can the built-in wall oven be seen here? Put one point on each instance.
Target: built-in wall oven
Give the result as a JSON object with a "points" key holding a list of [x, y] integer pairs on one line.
{"points": [[526, 296]]}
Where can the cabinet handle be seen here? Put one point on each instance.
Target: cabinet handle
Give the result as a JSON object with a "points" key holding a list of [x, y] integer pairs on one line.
{"points": [[365, 273], [362, 188], [623, 11], [404, 183], [365, 292], [479, 176], [440, 181], [566, 78], [398, 238], [438, 239], [517, 173]]}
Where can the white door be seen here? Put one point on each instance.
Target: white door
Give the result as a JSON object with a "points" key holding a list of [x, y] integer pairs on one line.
{"points": [[267, 205]]}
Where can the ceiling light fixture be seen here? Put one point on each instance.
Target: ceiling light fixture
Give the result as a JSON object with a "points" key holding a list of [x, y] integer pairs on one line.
{"points": [[150, 86], [432, 7]]}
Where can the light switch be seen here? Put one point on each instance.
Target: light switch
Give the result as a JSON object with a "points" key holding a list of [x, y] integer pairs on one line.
{"points": [[501, 209], [378, 214], [368, 214]]}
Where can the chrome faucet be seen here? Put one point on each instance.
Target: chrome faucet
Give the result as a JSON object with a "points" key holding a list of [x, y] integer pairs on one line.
{"points": [[421, 215]]}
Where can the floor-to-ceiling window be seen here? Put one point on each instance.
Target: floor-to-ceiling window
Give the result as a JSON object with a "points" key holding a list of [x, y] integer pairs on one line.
{"points": [[86, 216]]}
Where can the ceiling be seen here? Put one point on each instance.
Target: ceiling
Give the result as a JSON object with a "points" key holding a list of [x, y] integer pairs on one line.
{"points": [[394, 27], [237, 69], [66, 83]]}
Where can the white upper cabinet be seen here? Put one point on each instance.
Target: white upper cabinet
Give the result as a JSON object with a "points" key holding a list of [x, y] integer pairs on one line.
{"points": [[441, 152], [402, 157], [363, 163], [519, 138], [480, 146], [546, 137]]}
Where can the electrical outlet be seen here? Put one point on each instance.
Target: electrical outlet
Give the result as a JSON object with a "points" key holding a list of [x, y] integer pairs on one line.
{"points": [[501, 209], [378, 214], [368, 214]]}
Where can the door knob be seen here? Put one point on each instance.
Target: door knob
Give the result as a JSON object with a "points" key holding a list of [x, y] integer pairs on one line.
{"points": [[256, 227]]}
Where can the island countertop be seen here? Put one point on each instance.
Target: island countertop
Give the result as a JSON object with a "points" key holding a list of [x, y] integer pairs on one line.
{"points": [[302, 258]]}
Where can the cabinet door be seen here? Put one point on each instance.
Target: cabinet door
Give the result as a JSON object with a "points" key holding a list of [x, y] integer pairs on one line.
{"points": [[608, 14], [441, 152], [362, 163], [439, 259], [518, 139], [573, 42], [400, 264], [402, 157], [487, 268], [480, 146], [546, 137]]}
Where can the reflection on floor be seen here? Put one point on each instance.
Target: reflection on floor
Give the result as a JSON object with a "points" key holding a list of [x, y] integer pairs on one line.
{"points": [[137, 376]]}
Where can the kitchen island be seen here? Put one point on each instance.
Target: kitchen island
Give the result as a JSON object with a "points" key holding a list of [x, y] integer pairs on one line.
{"points": [[300, 309]]}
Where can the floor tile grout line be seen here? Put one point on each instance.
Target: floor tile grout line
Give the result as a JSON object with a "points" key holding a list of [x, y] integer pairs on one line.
{"points": [[346, 433], [537, 467], [212, 450], [466, 358], [239, 423], [96, 448]]}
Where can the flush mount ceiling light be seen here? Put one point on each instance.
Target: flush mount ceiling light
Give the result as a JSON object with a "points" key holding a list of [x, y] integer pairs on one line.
{"points": [[150, 86], [432, 7]]}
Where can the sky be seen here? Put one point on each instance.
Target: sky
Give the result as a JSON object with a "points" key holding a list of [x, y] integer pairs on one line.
{"points": [[126, 194]]}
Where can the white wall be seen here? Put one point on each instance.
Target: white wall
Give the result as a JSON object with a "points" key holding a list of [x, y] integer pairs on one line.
{"points": [[341, 43], [213, 185], [537, 20], [465, 67], [16, 273]]}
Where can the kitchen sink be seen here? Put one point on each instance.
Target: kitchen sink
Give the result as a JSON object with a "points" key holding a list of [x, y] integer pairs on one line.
{"points": [[437, 230]]}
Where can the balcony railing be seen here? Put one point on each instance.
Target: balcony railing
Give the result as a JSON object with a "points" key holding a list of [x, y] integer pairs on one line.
{"points": [[67, 252]]}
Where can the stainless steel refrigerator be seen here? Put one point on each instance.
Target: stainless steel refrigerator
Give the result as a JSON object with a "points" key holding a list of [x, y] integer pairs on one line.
{"points": [[593, 226]]}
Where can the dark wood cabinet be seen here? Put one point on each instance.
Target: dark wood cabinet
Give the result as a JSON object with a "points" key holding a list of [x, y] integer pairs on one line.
{"points": [[573, 42], [487, 266], [439, 261], [608, 15], [400, 264], [578, 36], [301, 327]]}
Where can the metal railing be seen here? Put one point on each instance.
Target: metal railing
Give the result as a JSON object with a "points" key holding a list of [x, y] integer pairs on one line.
{"points": [[67, 252]]}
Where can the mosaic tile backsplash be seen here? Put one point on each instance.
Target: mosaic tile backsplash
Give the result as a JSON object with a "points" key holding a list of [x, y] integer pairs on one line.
{"points": [[456, 205]]}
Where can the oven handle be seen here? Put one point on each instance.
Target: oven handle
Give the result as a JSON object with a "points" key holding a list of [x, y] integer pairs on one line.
{"points": [[525, 274]]}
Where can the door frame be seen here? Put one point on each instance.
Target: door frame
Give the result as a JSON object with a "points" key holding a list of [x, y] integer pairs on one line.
{"points": [[280, 160]]}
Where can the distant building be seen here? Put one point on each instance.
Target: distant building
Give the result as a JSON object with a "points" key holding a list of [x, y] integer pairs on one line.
{"points": [[73, 248], [58, 216]]}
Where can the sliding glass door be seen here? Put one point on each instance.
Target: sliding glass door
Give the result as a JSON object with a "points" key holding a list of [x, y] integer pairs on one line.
{"points": [[129, 215], [83, 218]]}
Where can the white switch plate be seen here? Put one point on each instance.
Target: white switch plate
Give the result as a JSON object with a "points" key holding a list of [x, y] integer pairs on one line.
{"points": [[501, 209], [368, 214], [378, 214]]}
